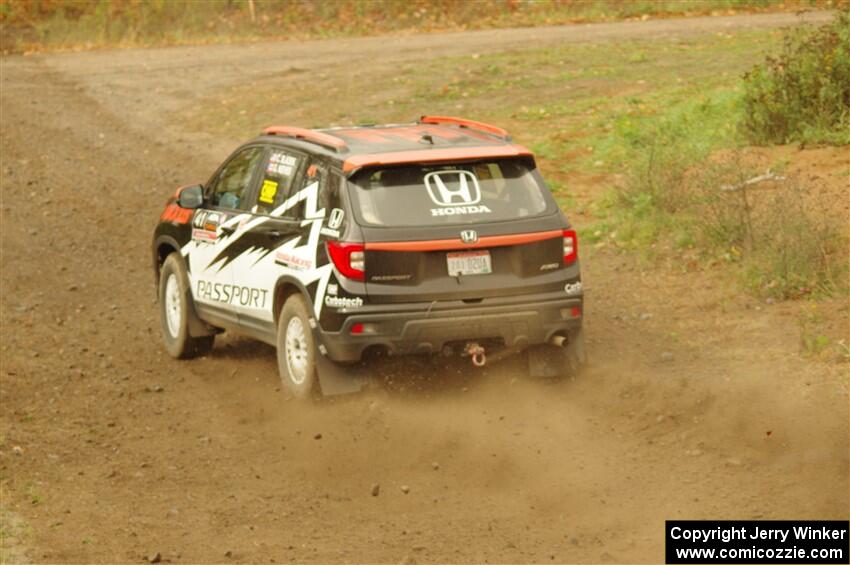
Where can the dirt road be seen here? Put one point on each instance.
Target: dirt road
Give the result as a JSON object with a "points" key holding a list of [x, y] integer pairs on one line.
{"points": [[110, 451]]}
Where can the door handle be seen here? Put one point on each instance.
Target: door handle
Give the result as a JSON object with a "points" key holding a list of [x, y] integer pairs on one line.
{"points": [[274, 233]]}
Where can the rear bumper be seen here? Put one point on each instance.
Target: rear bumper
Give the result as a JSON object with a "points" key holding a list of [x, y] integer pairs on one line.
{"points": [[426, 327]]}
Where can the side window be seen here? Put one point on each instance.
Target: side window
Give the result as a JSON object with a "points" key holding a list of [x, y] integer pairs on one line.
{"points": [[330, 200], [233, 182], [278, 176], [313, 174]]}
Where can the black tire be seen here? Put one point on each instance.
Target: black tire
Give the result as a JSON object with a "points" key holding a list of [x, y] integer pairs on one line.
{"points": [[296, 349], [176, 309]]}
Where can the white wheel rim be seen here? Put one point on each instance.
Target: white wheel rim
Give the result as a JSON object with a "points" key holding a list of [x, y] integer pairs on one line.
{"points": [[295, 348], [173, 316]]}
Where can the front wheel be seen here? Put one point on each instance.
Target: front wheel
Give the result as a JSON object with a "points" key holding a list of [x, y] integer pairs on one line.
{"points": [[175, 308], [296, 349]]}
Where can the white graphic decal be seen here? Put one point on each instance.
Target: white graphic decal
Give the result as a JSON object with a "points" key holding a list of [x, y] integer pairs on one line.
{"points": [[257, 268]]}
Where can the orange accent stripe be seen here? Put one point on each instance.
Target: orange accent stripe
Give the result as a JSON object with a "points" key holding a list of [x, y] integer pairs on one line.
{"points": [[471, 124], [433, 156], [450, 244], [308, 134]]}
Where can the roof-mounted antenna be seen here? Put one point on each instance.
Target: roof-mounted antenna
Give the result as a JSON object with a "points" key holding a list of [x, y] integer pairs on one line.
{"points": [[427, 138]]}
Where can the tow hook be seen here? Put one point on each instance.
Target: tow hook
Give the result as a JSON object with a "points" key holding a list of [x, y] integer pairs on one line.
{"points": [[476, 352]]}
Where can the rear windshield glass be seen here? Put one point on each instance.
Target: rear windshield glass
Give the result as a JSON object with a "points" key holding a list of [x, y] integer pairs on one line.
{"points": [[423, 195]]}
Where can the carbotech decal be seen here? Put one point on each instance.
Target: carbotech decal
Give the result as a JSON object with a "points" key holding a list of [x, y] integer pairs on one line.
{"points": [[573, 288], [341, 302]]}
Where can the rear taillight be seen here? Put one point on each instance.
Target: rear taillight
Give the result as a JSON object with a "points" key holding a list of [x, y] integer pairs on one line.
{"points": [[570, 247], [349, 259]]}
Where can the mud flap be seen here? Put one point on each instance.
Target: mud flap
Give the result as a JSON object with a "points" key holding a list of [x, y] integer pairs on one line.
{"points": [[334, 379], [576, 349], [545, 361], [197, 327], [549, 361]]}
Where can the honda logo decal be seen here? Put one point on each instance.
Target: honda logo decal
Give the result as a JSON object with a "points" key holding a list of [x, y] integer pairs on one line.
{"points": [[469, 236], [453, 188], [335, 219]]}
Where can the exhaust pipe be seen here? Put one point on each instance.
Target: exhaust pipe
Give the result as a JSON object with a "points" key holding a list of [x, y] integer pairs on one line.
{"points": [[558, 341]]}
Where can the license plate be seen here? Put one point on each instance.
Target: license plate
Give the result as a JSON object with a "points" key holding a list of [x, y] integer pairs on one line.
{"points": [[469, 263]]}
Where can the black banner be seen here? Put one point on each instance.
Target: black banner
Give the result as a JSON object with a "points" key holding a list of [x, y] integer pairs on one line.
{"points": [[757, 541]]}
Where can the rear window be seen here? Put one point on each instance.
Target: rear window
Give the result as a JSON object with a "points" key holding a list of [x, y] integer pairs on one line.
{"points": [[426, 195]]}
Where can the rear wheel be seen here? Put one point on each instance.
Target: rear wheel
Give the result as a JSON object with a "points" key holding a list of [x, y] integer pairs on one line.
{"points": [[296, 349], [176, 307]]}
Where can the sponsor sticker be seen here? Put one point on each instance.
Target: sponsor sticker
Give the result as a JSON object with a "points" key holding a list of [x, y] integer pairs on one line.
{"points": [[203, 235], [281, 164], [333, 289], [268, 191], [342, 302], [293, 261], [279, 169], [573, 288], [207, 220]]}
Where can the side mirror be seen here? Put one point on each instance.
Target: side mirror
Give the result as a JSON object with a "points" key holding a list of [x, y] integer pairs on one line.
{"points": [[191, 197]]}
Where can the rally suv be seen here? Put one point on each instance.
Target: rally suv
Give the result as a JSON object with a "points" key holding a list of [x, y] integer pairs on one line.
{"points": [[438, 236]]}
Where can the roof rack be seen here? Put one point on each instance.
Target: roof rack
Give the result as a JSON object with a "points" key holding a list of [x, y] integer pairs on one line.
{"points": [[469, 124], [317, 137]]}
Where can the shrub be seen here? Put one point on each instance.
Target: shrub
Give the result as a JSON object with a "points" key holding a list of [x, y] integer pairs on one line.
{"points": [[680, 183], [803, 94]]}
